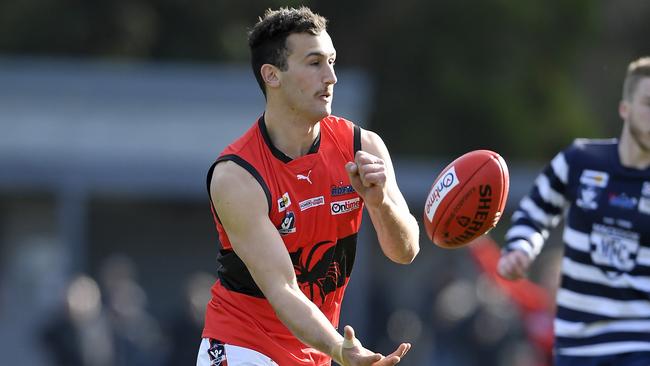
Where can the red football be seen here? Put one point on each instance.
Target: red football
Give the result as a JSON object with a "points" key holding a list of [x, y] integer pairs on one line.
{"points": [[467, 199]]}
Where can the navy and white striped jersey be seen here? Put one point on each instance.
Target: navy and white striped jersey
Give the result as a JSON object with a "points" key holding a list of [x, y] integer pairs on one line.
{"points": [[603, 303]]}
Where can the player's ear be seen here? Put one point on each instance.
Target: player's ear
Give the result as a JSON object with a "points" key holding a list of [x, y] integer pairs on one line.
{"points": [[623, 109], [270, 75]]}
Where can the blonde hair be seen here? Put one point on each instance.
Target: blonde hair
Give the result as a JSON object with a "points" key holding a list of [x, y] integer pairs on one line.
{"points": [[636, 71]]}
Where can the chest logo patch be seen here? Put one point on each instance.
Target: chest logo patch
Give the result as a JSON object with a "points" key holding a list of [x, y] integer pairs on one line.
{"points": [[288, 224], [341, 207], [614, 247], [312, 202], [304, 177], [284, 202], [588, 197], [623, 201], [594, 178], [341, 190]]}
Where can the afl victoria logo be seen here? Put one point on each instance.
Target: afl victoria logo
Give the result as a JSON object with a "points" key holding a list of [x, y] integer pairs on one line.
{"points": [[288, 224]]}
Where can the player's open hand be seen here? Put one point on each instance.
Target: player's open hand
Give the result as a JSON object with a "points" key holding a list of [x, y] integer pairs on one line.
{"points": [[354, 354], [368, 177], [395, 357], [514, 265]]}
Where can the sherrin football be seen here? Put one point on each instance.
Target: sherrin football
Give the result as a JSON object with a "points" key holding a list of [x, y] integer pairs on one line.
{"points": [[466, 199]]}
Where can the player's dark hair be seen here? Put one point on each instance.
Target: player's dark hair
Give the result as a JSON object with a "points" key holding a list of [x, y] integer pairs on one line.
{"points": [[636, 71], [268, 38]]}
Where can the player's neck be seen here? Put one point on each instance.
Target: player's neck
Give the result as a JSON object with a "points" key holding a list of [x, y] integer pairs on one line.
{"points": [[631, 153], [292, 134]]}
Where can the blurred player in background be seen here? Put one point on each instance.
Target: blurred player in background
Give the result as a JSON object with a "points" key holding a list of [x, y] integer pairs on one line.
{"points": [[602, 190], [287, 198]]}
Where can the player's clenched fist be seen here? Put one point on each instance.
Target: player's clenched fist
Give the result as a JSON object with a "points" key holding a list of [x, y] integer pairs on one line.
{"points": [[514, 265], [368, 176], [369, 169]]}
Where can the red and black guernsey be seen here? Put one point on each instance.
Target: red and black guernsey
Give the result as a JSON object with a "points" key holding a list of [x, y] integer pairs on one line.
{"points": [[317, 213]]}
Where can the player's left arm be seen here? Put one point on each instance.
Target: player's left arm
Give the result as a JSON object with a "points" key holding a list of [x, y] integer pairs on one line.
{"points": [[373, 177]]}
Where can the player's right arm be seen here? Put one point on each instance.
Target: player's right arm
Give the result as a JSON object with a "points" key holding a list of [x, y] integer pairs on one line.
{"points": [[513, 265], [242, 208], [538, 213]]}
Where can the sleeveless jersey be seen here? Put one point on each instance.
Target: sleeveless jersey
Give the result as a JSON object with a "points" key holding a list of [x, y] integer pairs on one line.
{"points": [[317, 213], [603, 303]]}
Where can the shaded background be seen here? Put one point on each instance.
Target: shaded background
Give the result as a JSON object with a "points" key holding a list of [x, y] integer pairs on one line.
{"points": [[111, 112]]}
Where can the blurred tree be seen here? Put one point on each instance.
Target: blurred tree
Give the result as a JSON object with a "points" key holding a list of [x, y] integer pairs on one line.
{"points": [[448, 76], [461, 75]]}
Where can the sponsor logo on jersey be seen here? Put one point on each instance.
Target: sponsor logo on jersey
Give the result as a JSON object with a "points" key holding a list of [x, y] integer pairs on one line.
{"points": [[312, 202], [588, 197], [288, 224], [284, 202], [614, 247], [304, 177], [645, 190], [341, 207], [439, 190], [340, 190], [623, 201], [644, 205], [626, 224], [594, 178]]}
